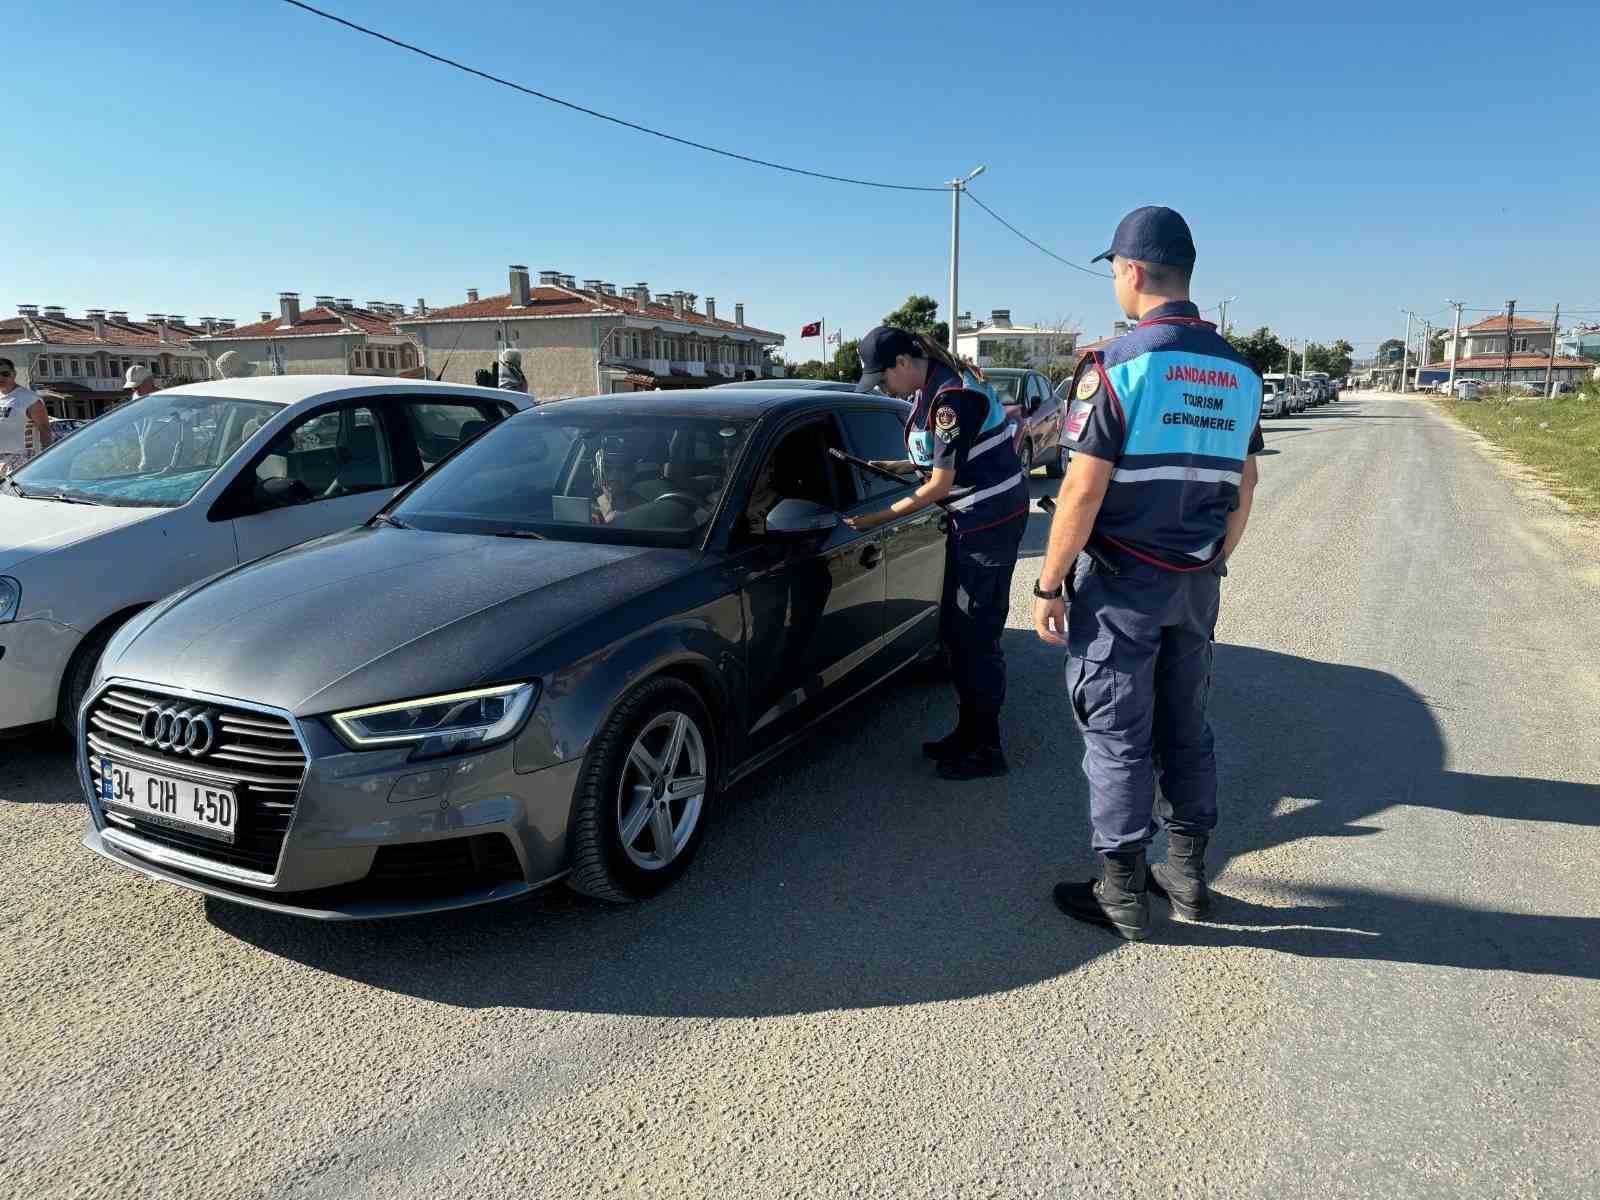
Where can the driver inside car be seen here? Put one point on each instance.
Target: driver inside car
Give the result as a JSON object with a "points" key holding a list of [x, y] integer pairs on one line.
{"points": [[613, 471]]}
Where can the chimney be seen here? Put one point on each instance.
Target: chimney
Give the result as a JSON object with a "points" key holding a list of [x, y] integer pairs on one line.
{"points": [[609, 289], [209, 324], [472, 295], [677, 305], [521, 293], [593, 285], [119, 316], [567, 281], [346, 302], [738, 315], [422, 307], [224, 324], [149, 318], [548, 278], [289, 307], [27, 310], [711, 308], [378, 306], [54, 312], [641, 293], [97, 318], [266, 316], [690, 299], [322, 301], [1000, 317], [175, 320]]}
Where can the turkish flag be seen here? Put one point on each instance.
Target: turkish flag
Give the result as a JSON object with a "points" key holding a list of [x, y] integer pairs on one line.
{"points": [[812, 330]]}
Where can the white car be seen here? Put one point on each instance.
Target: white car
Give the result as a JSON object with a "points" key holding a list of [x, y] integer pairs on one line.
{"points": [[1274, 399], [190, 481], [1466, 389]]}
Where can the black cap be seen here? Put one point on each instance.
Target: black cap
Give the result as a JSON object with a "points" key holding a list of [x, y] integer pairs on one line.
{"points": [[1152, 234], [879, 350]]}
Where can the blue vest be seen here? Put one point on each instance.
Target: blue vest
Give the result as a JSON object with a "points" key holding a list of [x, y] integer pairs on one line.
{"points": [[989, 488]]}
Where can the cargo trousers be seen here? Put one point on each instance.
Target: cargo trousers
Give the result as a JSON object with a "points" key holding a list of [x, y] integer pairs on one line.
{"points": [[1139, 652]]}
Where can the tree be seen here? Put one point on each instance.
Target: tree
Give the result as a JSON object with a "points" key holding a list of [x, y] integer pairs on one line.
{"points": [[1334, 359], [919, 314], [846, 365], [1389, 351], [1008, 354], [1261, 349]]}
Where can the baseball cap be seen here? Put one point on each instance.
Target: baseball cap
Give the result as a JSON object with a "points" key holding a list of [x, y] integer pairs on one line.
{"points": [[136, 375], [1152, 234], [879, 350]]}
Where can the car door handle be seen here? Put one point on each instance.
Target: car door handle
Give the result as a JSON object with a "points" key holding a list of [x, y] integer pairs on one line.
{"points": [[872, 556]]}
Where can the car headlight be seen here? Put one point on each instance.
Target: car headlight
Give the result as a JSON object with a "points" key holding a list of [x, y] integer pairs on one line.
{"points": [[440, 724], [10, 598]]}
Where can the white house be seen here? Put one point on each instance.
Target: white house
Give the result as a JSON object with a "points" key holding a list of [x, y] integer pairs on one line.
{"points": [[1038, 345]]}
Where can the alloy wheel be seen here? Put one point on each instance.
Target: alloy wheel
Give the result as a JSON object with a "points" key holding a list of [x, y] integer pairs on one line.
{"points": [[662, 791]]}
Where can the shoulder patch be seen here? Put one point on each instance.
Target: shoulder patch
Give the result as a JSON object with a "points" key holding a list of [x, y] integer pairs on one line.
{"points": [[946, 423], [1089, 384]]}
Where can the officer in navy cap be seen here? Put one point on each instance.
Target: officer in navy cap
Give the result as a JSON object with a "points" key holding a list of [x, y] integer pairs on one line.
{"points": [[959, 441], [1163, 426]]}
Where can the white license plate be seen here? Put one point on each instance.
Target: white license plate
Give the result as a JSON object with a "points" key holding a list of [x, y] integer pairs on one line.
{"points": [[167, 800]]}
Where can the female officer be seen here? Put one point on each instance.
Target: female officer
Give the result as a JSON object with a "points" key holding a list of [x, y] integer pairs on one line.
{"points": [[958, 440]]}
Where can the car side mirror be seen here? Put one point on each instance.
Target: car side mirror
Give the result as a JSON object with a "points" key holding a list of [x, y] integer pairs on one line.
{"points": [[283, 493], [799, 518]]}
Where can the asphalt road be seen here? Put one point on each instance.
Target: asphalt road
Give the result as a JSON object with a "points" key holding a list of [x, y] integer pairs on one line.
{"points": [[862, 988]]}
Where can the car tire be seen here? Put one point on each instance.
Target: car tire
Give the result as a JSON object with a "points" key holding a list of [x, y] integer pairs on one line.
{"points": [[75, 680], [619, 814], [1057, 466]]}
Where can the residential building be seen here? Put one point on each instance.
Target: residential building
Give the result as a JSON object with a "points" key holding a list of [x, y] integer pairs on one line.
{"points": [[1480, 353], [335, 336], [1581, 341], [1037, 344], [593, 339], [77, 364]]}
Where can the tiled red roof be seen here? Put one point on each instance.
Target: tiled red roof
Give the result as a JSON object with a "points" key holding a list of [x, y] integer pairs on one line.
{"points": [[1488, 362], [79, 331], [313, 321], [1489, 324], [575, 302]]}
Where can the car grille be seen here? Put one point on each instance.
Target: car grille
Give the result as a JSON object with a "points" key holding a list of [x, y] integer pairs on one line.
{"points": [[256, 754]]}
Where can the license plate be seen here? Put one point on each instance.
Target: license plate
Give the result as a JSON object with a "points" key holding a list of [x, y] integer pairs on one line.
{"points": [[167, 800]]}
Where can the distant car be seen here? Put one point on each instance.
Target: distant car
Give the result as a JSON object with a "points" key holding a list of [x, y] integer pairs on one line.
{"points": [[1274, 400], [1466, 389], [1292, 387], [185, 482], [820, 385], [1035, 409], [548, 659]]}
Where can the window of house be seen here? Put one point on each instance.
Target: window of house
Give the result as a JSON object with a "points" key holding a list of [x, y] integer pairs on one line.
{"points": [[1522, 345], [77, 367], [42, 368]]}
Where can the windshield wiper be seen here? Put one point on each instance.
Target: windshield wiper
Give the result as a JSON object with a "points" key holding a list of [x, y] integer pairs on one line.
{"points": [[14, 487], [386, 519], [526, 534], [63, 498]]}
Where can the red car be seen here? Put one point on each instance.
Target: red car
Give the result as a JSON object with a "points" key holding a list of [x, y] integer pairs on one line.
{"points": [[1035, 410]]}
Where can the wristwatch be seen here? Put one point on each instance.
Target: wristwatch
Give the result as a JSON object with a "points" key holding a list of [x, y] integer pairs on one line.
{"points": [[1059, 594]]}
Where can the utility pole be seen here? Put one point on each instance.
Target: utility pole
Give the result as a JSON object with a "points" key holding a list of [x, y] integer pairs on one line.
{"points": [[1405, 351], [1550, 364], [1304, 346], [1455, 345], [1427, 336], [957, 186], [1222, 322], [1505, 369]]}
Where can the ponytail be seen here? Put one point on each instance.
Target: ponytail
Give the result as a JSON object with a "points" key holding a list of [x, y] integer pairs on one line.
{"points": [[937, 353]]}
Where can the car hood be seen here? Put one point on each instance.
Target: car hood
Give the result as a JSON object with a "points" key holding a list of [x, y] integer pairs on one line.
{"points": [[33, 527], [378, 614]]}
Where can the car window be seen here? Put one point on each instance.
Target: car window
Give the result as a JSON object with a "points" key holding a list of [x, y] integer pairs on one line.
{"points": [[1006, 388], [439, 428], [799, 467], [155, 452], [875, 434], [335, 453]]}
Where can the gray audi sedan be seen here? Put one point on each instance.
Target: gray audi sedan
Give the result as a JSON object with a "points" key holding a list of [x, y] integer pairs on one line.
{"points": [[547, 659]]}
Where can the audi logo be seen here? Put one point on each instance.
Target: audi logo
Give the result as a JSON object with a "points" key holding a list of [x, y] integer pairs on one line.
{"points": [[181, 730]]}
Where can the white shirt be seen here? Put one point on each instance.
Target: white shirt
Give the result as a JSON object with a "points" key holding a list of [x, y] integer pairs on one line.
{"points": [[14, 423]]}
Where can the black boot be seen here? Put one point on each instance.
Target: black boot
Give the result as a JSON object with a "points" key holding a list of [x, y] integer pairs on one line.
{"points": [[981, 757], [1119, 901], [952, 743], [1182, 878]]}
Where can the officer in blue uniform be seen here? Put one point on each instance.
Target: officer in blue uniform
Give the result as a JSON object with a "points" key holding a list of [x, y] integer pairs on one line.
{"points": [[1163, 426], [959, 441]]}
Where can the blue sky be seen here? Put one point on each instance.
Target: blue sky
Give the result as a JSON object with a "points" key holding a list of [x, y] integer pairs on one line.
{"points": [[199, 158]]}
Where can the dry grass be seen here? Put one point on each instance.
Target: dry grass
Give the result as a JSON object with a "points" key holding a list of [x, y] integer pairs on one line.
{"points": [[1559, 439]]}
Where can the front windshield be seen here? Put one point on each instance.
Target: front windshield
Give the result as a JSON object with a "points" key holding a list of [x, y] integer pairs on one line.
{"points": [[155, 452], [1006, 387], [636, 480]]}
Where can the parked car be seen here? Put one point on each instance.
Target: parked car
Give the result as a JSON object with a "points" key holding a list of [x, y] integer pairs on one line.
{"points": [[1274, 399], [1035, 409], [1467, 389], [1290, 385], [519, 689], [186, 482]]}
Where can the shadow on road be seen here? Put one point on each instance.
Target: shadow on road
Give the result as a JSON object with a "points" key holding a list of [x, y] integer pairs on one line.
{"points": [[825, 884], [38, 769]]}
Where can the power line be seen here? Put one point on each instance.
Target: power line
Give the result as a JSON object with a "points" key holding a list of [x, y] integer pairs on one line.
{"points": [[1042, 249], [568, 104]]}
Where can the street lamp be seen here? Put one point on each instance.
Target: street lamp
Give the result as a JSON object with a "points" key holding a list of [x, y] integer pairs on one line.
{"points": [[1222, 321], [957, 186]]}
